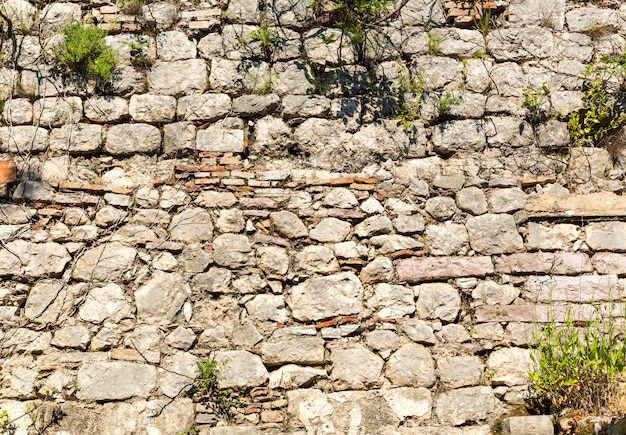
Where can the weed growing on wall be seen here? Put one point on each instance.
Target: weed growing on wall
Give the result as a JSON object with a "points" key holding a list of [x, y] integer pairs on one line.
{"points": [[577, 367], [208, 389], [446, 102], [533, 100], [84, 51], [409, 98]]}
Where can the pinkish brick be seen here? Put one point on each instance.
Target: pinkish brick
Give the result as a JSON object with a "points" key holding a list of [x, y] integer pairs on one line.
{"points": [[586, 288], [272, 416], [608, 262], [258, 203], [564, 263], [534, 313], [413, 270]]}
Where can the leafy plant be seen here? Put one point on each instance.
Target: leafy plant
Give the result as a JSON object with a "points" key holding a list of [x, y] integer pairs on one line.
{"points": [[85, 51], [138, 56], [5, 423], [446, 102], [533, 100], [409, 98], [577, 368], [598, 116], [207, 385], [434, 43], [266, 36]]}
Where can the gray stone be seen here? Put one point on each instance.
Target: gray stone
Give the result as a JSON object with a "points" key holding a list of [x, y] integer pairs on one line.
{"points": [[411, 366], [46, 300], [232, 250], [553, 134], [560, 237], [382, 339], [373, 226], [212, 199], [438, 301], [518, 44], [268, 308], [583, 288], [102, 303], [565, 102], [459, 43], [182, 77], [111, 261], [191, 225], [106, 109], [493, 293], [305, 106], [550, 13], [330, 230], [507, 200], [335, 49], [76, 138], [459, 371], [446, 239], [231, 221], [13, 214], [441, 207], [379, 270], [509, 131], [321, 298], [293, 350], [181, 338], [607, 236], [178, 373], [216, 280], [153, 109], [493, 234], [179, 137], [195, 258], [528, 425], [459, 406], [18, 111], [115, 380], [287, 13], [56, 111], [391, 243], [252, 283], [235, 77], [418, 331], [161, 298], [218, 139], [392, 301], [24, 138], [586, 19], [172, 197], [76, 337], [317, 259], [164, 14], [463, 135], [409, 223], [27, 340], [288, 224], [506, 78], [125, 139], [246, 335], [273, 260], [510, 366], [204, 107], [355, 368], [255, 105], [409, 402], [291, 376], [174, 45]]}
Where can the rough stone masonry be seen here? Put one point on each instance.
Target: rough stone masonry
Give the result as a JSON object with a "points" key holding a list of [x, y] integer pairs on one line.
{"points": [[264, 205]]}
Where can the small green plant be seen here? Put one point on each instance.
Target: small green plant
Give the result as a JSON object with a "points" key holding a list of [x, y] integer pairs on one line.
{"points": [[485, 22], [5, 423], [207, 385], [131, 7], [409, 98], [85, 51], [266, 36], [138, 55], [598, 118], [577, 367], [434, 43], [446, 102], [327, 39], [533, 100]]}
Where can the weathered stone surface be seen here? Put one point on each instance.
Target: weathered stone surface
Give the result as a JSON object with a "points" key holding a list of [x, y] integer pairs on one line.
{"points": [[561, 263], [267, 307], [13, 214], [590, 204], [273, 260], [388, 244], [534, 313], [447, 239], [379, 270], [456, 407], [306, 106], [76, 337], [510, 366], [460, 371], [559, 237], [106, 108], [493, 293], [255, 105], [409, 223], [18, 111], [174, 45], [518, 44], [292, 376], [608, 236], [472, 200], [205, 107], [293, 350], [411, 366], [115, 380], [494, 234], [76, 138], [288, 224], [450, 137], [607, 262], [330, 230], [152, 108], [528, 425], [232, 250], [105, 263], [413, 270], [438, 301], [355, 368], [242, 369], [317, 259], [191, 225], [219, 139], [182, 77], [373, 226], [418, 331], [216, 280], [125, 139], [104, 303], [382, 339], [178, 374], [211, 199], [440, 207], [179, 137], [550, 14], [26, 340], [25, 138], [584, 288], [409, 402], [34, 260], [507, 200], [321, 298], [160, 299], [588, 18], [393, 301], [45, 301]]}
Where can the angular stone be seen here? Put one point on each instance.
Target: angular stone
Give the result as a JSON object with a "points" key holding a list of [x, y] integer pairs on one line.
{"points": [[388, 244], [231, 221], [33, 260], [559, 237], [18, 111], [179, 137], [21, 139], [584, 288], [182, 77], [355, 368], [106, 109], [608, 236], [255, 105], [510, 366], [267, 308], [76, 138], [447, 239], [494, 234], [450, 137], [322, 298], [379, 270], [293, 350], [528, 425], [382, 339], [13, 214], [561, 263], [178, 374], [317, 259], [373, 226], [438, 301], [212, 199], [586, 19], [409, 223], [392, 301], [205, 107], [103, 303], [174, 45], [518, 44], [460, 371], [440, 207], [126, 139], [152, 109], [409, 402], [181, 338], [161, 298], [76, 337], [273, 260], [414, 270], [45, 301], [232, 250], [246, 335], [291, 376], [288, 224], [295, 14], [191, 225], [458, 406], [221, 140], [115, 380], [472, 200], [493, 293], [216, 280], [307, 106], [194, 258], [596, 204], [507, 200], [607, 262], [56, 111], [418, 331], [411, 366], [330, 230]]}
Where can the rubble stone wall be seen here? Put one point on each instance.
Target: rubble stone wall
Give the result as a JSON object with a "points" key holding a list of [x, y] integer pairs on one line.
{"points": [[364, 238]]}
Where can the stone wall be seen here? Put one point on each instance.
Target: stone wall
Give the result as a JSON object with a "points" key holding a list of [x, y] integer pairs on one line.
{"points": [[263, 204]]}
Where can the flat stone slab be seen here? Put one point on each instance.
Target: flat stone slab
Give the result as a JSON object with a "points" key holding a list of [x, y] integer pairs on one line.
{"points": [[544, 262], [413, 270], [115, 380], [533, 313], [587, 205], [586, 288]]}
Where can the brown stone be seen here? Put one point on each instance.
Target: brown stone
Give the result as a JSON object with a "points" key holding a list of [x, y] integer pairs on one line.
{"points": [[413, 270], [258, 203], [559, 263], [533, 313], [589, 204]]}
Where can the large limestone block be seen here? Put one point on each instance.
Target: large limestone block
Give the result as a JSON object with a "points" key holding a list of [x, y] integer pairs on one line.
{"points": [[519, 44], [288, 224], [456, 407], [293, 350], [292, 376], [447, 239], [242, 369], [528, 425], [191, 225], [233, 250], [510, 366], [107, 262], [355, 368], [181, 77], [330, 230], [559, 237], [606, 236], [205, 107], [219, 139], [45, 301], [321, 298], [174, 45], [33, 260], [462, 135], [161, 298], [106, 108], [178, 373], [409, 402], [76, 138], [103, 303], [317, 259], [587, 19], [56, 111], [152, 108], [126, 139], [460, 371], [411, 366], [23, 139], [115, 380], [494, 234], [438, 301], [393, 301]]}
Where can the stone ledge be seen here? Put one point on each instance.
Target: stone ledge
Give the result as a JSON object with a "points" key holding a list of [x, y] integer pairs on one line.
{"points": [[414, 270], [589, 205]]}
